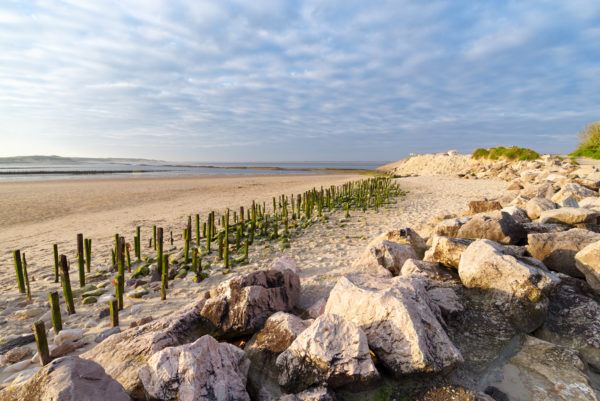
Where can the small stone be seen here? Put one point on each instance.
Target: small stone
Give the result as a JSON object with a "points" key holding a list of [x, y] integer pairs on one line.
{"points": [[94, 293], [89, 300], [29, 313], [104, 313], [104, 299], [137, 293], [65, 348], [107, 333], [16, 354], [68, 335]]}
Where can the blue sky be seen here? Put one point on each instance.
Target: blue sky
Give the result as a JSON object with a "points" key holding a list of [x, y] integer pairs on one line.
{"points": [[268, 80]]}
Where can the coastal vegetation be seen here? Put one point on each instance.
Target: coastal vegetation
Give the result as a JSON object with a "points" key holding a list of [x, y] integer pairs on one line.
{"points": [[501, 152], [589, 142]]}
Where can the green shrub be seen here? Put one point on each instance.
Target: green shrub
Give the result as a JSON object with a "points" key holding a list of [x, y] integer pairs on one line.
{"points": [[589, 142], [512, 153]]}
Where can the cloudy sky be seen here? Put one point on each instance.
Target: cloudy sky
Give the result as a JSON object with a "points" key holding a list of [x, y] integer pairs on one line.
{"points": [[268, 80]]}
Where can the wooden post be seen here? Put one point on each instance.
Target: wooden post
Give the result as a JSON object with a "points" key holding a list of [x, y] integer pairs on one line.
{"points": [[19, 271], [55, 309], [138, 250], [55, 248], [159, 248], [166, 270], [121, 256], [114, 313], [128, 258], [197, 229], [246, 249], [88, 254], [39, 330], [154, 236], [66, 285], [119, 288], [186, 246], [26, 276], [80, 260]]}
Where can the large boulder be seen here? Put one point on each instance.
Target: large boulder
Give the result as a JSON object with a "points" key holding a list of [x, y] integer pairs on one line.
{"points": [[518, 286], [281, 329], [482, 206], [406, 236], [590, 203], [587, 262], [543, 371], [312, 394], [535, 206], [67, 379], [332, 352], [202, 370], [123, 354], [574, 320], [402, 323], [387, 254], [496, 226], [571, 189], [557, 250], [450, 227], [430, 270], [519, 214], [447, 250], [241, 305], [569, 215]]}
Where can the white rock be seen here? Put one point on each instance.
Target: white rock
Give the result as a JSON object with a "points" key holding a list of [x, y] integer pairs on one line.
{"points": [[66, 335]]}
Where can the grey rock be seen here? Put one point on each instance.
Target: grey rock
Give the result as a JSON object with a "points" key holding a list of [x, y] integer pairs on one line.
{"points": [[331, 351], [243, 304], [387, 254], [537, 205], [67, 379], [450, 227], [202, 370], [406, 236], [588, 262], [313, 394], [107, 333], [518, 286], [536, 227], [557, 250], [402, 323], [447, 250], [496, 226], [16, 342], [426, 269]]}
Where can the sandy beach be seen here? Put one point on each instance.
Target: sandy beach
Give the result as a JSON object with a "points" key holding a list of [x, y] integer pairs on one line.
{"points": [[35, 215]]}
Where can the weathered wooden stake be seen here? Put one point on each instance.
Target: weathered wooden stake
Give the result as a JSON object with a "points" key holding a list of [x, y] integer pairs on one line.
{"points": [[19, 271], [166, 269], [26, 276], [186, 245], [138, 250], [128, 258], [159, 248], [119, 287], [39, 330], [121, 256], [80, 260], [88, 254], [55, 309], [197, 229], [66, 285], [154, 236], [114, 313], [55, 247]]}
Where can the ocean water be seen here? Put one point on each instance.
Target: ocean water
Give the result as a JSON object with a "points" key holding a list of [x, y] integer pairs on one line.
{"points": [[35, 168]]}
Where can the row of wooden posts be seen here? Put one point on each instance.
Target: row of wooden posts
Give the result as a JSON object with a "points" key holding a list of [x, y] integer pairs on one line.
{"points": [[290, 212]]}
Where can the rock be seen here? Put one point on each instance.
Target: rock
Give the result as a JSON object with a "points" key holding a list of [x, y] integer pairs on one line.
{"points": [[154, 273], [587, 262], [68, 335], [331, 351], [312, 394], [16, 342], [573, 321], [138, 293], [400, 320], [89, 300], [450, 227], [446, 250], [535, 206], [387, 254], [285, 262], [65, 348], [141, 271], [536, 227], [590, 203], [104, 299], [569, 215], [517, 213], [280, 330], [518, 286], [544, 371], [573, 190], [29, 313], [482, 206], [16, 354], [105, 312], [202, 370], [138, 344], [242, 304], [107, 333], [426, 269], [515, 186], [68, 379], [17, 367], [569, 201], [318, 308], [93, 293], [140, 322], [557, 250], [406, 236], [495, 226]]}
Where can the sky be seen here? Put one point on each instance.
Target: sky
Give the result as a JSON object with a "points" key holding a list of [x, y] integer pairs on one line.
{"points": [[268, 80]]}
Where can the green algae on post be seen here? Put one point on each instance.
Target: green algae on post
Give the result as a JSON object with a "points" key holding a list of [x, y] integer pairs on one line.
{"points": [[114, 313], [56, 275], [39, 331], [159, 248], [80, 260], [55, 312], [119, 288], [26, 276], [66, 285], [88, 253], [19, 271]]}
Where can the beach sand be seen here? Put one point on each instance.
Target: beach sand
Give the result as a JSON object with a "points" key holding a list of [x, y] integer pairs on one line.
{"points": [[35, 215]]}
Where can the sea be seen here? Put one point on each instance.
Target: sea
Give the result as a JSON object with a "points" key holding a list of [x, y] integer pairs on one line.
{"points": [[46, 168]]}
